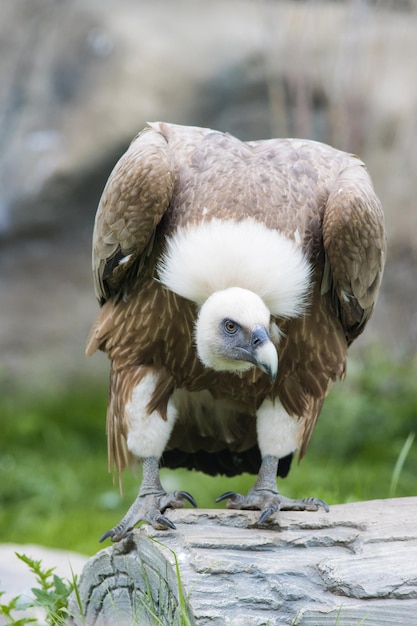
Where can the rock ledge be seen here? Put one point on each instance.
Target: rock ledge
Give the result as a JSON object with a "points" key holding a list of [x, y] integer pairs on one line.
{"points": [[358, 562]]}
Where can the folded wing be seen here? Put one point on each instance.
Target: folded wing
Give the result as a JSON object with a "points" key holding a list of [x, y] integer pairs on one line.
{"points": [[355, 247], [133, 202]]}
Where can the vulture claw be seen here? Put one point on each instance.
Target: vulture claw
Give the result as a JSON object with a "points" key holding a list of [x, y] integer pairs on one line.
{"points": [[304, 504], [149, 508], [186, 496], [175, 500], [267, 513], [323, 504], [228, 495], [269, 501], [115, 534], [160, 522], [106, 535]]}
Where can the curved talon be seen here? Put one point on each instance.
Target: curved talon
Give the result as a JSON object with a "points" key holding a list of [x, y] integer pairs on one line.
{"points": [[228, 494], [323, 504], [187, 496], [115, 534], [175, 500], [160, 522], [267, 513], [106, 535]]}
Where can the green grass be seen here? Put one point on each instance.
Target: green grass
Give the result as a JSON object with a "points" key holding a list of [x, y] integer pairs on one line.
{"points": [[55, 489], [52, 594]]}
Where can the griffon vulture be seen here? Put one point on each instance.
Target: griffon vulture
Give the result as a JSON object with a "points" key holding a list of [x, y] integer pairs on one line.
{"points": [[232, 277]]}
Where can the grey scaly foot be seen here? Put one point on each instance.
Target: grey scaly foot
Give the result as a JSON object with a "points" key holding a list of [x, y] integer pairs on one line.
{"points": [[269, 502], [265, 497], [150, 504], [149, 508]]}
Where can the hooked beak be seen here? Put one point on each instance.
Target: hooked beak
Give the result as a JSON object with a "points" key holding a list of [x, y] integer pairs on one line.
{"points": [[264, 352]]}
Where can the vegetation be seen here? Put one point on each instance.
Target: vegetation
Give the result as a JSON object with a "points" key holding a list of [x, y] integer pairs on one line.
{"points": [[51, 594], [55, 489]]}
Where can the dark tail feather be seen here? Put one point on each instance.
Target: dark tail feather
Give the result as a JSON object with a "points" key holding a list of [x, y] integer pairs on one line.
{"points": [[225, 462]]}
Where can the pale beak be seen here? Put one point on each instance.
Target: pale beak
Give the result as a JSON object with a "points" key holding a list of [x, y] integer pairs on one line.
{"points": [[264, 352]]}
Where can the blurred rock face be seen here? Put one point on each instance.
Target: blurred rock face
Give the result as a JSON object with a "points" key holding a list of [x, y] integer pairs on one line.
{"points": [[80, 79]]}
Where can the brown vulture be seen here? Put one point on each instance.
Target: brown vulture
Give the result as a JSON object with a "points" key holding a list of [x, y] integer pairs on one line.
{"points": [[232, 278]]}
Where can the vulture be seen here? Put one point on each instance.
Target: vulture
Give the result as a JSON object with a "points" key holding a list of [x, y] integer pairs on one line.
{"points": [[232, 278]]}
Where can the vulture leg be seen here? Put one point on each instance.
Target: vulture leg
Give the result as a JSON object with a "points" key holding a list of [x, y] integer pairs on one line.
{"points": [[265, 497], [150, 504]]}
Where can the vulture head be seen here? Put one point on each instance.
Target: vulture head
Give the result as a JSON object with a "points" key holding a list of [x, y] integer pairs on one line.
{"points": [[234, 333]]}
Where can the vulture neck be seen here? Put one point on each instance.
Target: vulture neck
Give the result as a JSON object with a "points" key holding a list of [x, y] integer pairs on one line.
{"points": [[201, 259]]}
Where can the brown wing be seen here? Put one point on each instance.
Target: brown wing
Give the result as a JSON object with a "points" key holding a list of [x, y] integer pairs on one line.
{"points": [[133, 202], [355, 246], [348, 270], [135, 198]]}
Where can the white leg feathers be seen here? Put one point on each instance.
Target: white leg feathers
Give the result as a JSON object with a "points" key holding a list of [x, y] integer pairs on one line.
{"points": [[148, 433], [278, 433]]}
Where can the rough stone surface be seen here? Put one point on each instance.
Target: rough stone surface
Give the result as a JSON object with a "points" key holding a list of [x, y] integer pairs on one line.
{"points": [[357, 562]]}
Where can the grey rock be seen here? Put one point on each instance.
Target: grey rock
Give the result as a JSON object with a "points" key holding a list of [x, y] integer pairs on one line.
{"points": [[357, 562]]}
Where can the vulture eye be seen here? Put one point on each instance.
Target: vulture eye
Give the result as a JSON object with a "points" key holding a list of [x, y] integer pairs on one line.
{"points": [[230, 327]]}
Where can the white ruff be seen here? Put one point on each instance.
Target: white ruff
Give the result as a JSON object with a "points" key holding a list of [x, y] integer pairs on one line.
{"points": [[217, 254]]}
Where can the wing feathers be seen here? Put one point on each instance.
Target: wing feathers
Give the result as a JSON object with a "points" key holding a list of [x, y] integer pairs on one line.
{"points": [[355, 246], [133, 202]]}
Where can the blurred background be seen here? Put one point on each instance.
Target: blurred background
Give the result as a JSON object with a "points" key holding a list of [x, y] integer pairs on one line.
{"points": [[79, 79]]}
